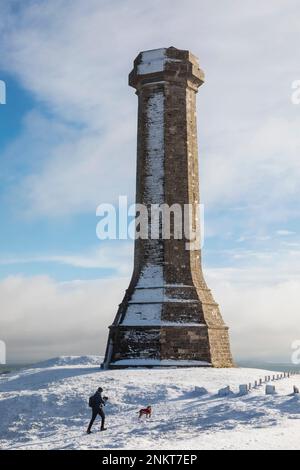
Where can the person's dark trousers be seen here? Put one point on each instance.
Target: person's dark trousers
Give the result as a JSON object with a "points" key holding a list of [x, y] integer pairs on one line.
{"points": [[100, 412]]}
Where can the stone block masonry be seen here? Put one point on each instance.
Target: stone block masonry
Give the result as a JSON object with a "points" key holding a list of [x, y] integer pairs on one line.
{"points": [[168, 315]]}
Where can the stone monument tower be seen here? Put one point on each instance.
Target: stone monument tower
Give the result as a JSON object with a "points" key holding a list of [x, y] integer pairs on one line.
{"points": [[168, 316]]}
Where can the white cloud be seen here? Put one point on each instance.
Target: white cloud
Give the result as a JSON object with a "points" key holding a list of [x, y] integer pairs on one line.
{"points": [[69, 171], [116, 256], [75, 57], [42, 318], [284, 233], [255, 163], [263, 315]]}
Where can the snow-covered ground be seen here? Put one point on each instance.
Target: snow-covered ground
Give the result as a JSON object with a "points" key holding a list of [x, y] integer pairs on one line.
{"points": [[45, 407]]}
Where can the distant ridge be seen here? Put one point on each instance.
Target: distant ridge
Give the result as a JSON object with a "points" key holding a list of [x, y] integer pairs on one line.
{"points": [[62, 361]]}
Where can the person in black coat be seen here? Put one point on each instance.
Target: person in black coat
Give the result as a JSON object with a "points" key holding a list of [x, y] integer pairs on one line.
{"points": [[97, 403]]}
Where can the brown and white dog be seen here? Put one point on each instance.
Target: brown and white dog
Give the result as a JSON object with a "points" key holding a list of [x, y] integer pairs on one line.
{"points": [[145, 412]]}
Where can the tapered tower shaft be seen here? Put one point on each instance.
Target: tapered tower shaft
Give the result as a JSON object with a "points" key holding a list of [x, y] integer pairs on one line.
{"points": [[168, 315]]}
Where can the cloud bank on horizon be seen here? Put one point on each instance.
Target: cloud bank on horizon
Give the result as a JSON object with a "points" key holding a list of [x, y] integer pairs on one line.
{"points": [[73, 147]]}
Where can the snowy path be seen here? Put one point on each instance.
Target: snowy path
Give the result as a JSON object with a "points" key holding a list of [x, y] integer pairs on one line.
{"points": [[46, 408]]}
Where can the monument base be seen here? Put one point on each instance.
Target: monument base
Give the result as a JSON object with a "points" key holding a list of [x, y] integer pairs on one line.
{"points": [[180, 345]]}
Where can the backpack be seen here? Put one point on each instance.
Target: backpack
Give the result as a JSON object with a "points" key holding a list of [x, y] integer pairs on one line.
{"points": [[91, 401]]}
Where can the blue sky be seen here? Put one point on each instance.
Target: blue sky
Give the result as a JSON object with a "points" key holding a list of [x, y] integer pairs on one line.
{"points": [[24, 237], [68, 143]]}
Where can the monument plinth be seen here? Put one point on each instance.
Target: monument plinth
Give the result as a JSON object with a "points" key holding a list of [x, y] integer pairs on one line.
{"points": [[168, 315]]}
